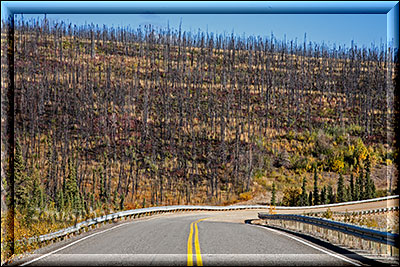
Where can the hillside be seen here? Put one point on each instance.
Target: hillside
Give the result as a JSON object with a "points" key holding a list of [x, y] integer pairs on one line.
{"points": [[109, 119]]}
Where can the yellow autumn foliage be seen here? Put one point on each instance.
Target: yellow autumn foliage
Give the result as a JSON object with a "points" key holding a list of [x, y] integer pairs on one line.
{"points": [[338, 165]]}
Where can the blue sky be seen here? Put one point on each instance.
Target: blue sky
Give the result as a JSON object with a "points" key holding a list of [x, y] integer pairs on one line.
{"points": [[340, 29]]}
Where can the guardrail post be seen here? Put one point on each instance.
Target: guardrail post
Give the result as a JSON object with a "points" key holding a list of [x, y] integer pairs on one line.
{"points": [[373, 247], [380, 249], [395, 252], [388, 250]]}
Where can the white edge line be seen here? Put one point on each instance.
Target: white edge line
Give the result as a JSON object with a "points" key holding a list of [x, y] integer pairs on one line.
{"points": [[308, 244], [48, 254]]}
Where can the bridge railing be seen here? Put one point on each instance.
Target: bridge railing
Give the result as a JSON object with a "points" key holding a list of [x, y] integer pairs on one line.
{"points": [[379, 242]]}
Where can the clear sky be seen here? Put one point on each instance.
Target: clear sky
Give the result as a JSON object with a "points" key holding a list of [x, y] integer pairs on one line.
{"points": [[339, 29]]}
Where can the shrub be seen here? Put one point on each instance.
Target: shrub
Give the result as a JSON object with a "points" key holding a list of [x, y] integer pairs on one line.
{"points": [[290, 135], [267, 162], [328, 214], [282, 160], [335, 131], [322, 144], [355, 130], [291, 196], [246, 196], [337, 165], [298, 163]]}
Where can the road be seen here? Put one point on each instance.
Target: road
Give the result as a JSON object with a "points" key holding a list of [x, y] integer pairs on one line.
{"points": [[193, 239]]}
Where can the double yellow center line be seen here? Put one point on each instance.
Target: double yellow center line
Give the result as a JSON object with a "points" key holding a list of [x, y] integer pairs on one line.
{"points": [[196, 245]]}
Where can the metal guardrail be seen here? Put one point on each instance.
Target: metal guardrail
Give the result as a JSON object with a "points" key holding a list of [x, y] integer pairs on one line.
{"points": [[339, 204], [164, 209], [346, 228], [135, 213], [361, 212]]}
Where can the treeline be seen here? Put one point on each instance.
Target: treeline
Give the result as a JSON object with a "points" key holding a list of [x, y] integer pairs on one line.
{"points": [[122, 118], [360, 188]]}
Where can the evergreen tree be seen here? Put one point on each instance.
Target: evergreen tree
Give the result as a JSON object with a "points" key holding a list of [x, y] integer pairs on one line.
{"points": [[92, 202], [340, 189], [373, 189], [352, 189], [369, 183], [316, 193], [36, 193], [77, 204], [369, 187], [71, 188], [360, 185], [331, 196], [41, 200], [323, 196], [60, 200], [115, 198], [303, 197], [310, 198], [22, 182], [121, 204], [357, 189], [347, 195], [102, 189], [273, 200]]}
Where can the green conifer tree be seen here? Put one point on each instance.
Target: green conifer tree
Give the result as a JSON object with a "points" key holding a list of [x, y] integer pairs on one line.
{"points": [[340, 189], [373, 189], [316, 192], [42, 199], [102, 188], [347, 195], [71, 189], [361, 186], [77, 204], [273, 200], [60, 200], [323, 196], [36, 193], [115, 199], [304, 197], [357, 189], [22, 182], [352, 189], [331, 196], [369, 187], [92, 202], [310, 198], [121, 204]]}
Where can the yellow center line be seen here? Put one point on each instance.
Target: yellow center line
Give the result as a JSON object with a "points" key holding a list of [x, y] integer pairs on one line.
{"points": [[196, 245], [189, 247]]}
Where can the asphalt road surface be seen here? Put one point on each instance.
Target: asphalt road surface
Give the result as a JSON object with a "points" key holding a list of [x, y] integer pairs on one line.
{"points": [[188, 239]]}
